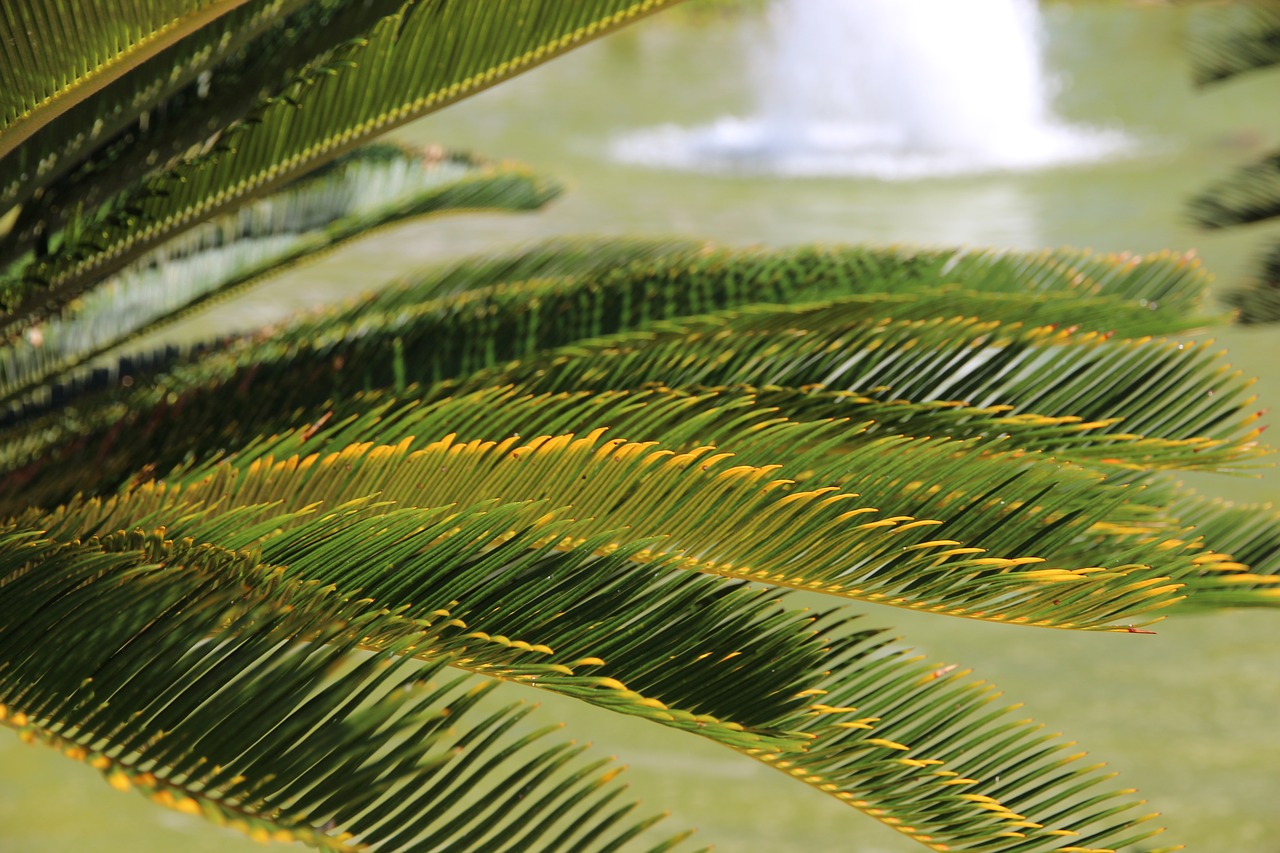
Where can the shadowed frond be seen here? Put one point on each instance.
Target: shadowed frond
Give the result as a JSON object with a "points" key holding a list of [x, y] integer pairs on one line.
{"points": [[372, 188], [1233, 39], [33, 161], [853, 715], [178, 686], [422, 58], [1259, 301], [53, 61], [1252, 194]]}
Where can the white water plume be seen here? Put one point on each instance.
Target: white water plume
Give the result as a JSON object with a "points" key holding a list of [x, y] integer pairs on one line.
{"points": [[894, 89]]}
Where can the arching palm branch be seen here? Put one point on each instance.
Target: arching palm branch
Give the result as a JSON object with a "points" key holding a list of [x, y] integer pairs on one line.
{"points": [[268, 579]]}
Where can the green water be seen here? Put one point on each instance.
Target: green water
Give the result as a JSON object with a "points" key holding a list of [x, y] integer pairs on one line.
{"points": [[1186, 716]]}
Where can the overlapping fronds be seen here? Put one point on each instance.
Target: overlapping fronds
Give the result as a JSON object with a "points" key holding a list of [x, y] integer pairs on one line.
{"points": [[1233, 39], [159, 115], [511, 592], [256, 713], [684, 432], [424, 56], [479, 321], [238, 580], [1249, 534], [751, 522], [373, 187]]}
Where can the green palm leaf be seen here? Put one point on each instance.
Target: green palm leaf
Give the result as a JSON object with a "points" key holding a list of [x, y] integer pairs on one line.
{"points": [[59, 60], [186, 692], [1250, 536], [272, 580], [1259, 301], [472, 322], [1233, 40], [373, 188], [63, 138], [1252, 194], [420, 59], [867, 722]]}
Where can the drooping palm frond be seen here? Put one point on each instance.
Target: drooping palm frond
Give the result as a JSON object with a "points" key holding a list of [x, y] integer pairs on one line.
{"points": [[421, 58], [375, 187], [169, 681], [1232, 39], [856, 717], [1029, 377], [524, 520]]}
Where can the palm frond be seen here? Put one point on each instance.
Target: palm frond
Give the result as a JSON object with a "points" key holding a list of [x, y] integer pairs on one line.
{"points": [[856, 716], [879, 537], [1234, 39], [1252, 194], [471, 320], [258, 59], [1046, 371], [691, 417], [1259, 301], [1170, 286], [32, 162], [372, 188], [186, 692], [56, 61], [929, 756], [473, 583], [1249, 534], [424, 57], [272, 582]]}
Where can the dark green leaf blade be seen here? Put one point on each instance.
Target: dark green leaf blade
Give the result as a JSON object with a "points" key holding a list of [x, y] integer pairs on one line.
{"points": [[423, 58]]}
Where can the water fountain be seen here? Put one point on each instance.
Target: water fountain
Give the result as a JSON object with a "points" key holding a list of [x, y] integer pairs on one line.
{"points": [[895, 89]]}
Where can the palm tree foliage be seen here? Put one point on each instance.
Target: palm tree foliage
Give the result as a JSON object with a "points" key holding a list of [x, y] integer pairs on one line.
{"points": [[269, 578], [1232, 40]]}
